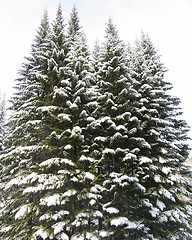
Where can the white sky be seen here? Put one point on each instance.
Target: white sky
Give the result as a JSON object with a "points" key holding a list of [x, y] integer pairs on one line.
{"points": [[168, 22]]}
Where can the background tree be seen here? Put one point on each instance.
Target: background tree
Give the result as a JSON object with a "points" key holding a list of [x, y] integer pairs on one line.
{"points": [[115, 145]]}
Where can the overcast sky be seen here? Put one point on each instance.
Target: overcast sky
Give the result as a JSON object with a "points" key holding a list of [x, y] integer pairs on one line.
{"points": [[168, 23]]}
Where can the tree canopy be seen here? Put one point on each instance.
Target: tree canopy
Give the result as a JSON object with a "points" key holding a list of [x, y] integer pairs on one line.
{"points": [[95, 146]]}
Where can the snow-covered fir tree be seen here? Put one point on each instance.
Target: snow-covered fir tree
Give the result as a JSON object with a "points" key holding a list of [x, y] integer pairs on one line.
{"points": [[47, 179], [2, 120], [115, 146], [23, 142], [163, 206], [95, 147], [75, 96]]}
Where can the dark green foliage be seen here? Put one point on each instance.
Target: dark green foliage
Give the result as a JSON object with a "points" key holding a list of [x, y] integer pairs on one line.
{"points": [[2, 120], [95, 147]]}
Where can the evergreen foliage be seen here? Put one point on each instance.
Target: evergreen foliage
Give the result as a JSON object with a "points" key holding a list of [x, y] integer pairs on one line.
{"points": [[2, 120], [95, 147]]}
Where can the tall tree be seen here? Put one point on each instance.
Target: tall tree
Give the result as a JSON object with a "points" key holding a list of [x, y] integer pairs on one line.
{"points": [[24, 146], [76, 97], [74, 26], [115, 145], [2, 120], [162, 208], [50, 188]]}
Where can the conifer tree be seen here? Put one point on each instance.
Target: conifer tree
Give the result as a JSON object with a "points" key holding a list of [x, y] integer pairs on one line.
{"points": [[95, 148], [77, 98], [115, 146], [2, 120], [74, 26], [49, 190], [163, 204], [21, 180]]}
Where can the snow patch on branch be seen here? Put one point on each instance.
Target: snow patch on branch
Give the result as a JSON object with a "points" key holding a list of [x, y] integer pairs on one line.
{"points": [[41, 233], [22, 212], [145, 160]]}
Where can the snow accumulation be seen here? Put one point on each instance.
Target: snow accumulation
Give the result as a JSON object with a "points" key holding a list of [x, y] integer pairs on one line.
{"points": [[21, 150], [68, 147], [41, 233], [34, 122], [51, 200], [160, 205], [84, 158], [147, 203], [22, 212], [97, 189], [108, 151], [153, 132], [88, 236], [167, 194], [118, 178], [74, 179], [69, 193], [93, 104], [67, 161], [92, 196], [88, 175], [92, 202], [58, 227], [50, 162], [100, 139], [154, 212], [76, 131], [97, 214], [143, 142], [161, 160], [129, 156], [73, 106], [20, 180], [157, 178], [64, 117], [56, 161], [103, 234], [80, 222], [60, 92], [52, 182], [145, 160], [116, 136], [133, 131], [63, 236], [5, 229], [111, 210], [166, 170], [120, 221], [55, 216], [66, 82], [47, 108], [142, 188], [124, 221], [83, 114]]}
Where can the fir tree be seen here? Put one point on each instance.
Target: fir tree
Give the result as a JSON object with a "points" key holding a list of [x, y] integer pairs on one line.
{"points": [[95, 148], [74, 26], [114, 147], [161, 210], [24, 147], [49, 189], [2, 120]]}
